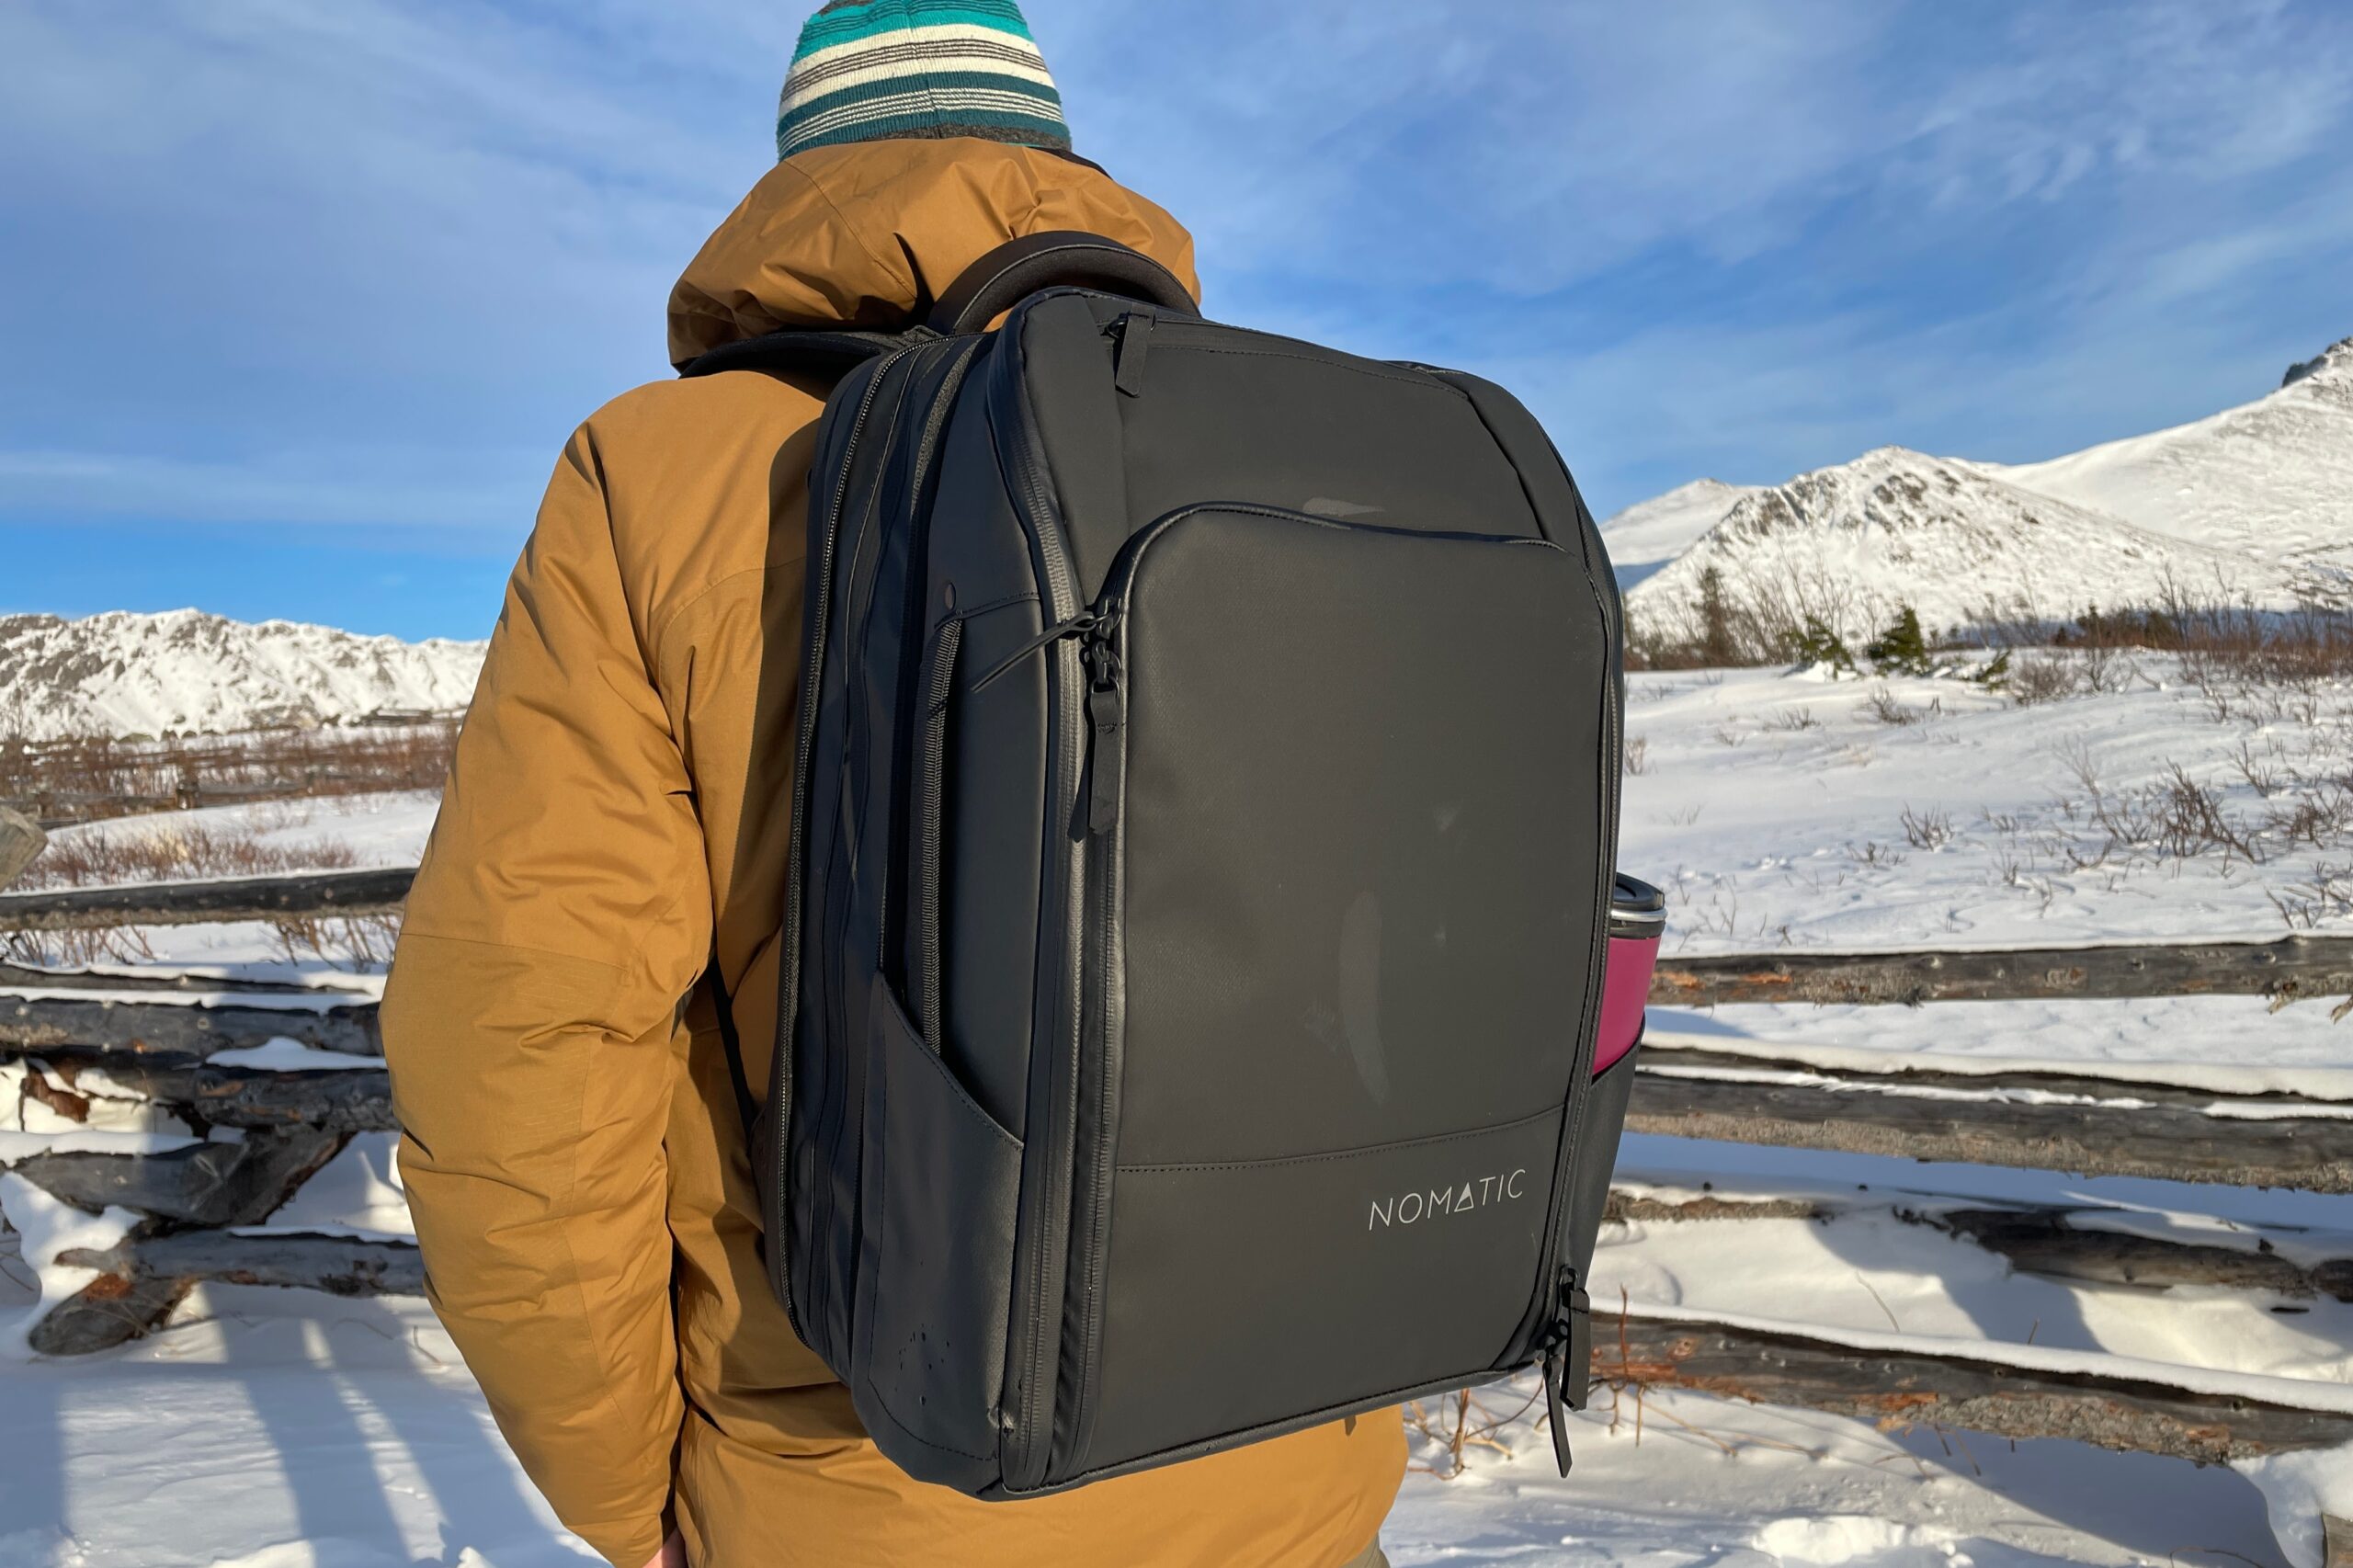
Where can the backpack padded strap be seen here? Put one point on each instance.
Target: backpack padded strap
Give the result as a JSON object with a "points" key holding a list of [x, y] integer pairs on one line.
{"points": [[824, 353], [1066, 258]]}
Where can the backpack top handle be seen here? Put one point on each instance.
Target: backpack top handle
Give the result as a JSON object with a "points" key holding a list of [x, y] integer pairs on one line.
{"points": [[1068, 259]]}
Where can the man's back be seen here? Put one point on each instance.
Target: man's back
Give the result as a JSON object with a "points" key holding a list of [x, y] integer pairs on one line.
{"points": [[574, 1154]]}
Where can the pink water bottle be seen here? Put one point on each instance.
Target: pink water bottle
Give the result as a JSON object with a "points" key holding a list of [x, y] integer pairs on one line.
{"points": [[1637, 922]]}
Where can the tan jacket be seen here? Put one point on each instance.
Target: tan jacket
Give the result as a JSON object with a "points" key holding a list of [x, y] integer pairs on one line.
{"points": [[572, 1151]]}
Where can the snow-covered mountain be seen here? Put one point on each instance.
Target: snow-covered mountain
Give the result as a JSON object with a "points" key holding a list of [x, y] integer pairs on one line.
{"points": [[2255, 502], [1647, 536], [187, 673], [2272, 482]]}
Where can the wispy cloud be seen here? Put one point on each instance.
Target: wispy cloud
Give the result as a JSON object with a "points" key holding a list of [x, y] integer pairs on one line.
{"points": [[363, 264]]}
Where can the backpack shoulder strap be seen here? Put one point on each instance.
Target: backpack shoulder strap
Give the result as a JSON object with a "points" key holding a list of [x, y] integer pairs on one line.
{"points": [[824, 353], [724, 1006], [1062, 258]]}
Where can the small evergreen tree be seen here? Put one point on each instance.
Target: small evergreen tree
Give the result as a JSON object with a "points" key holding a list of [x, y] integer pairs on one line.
{"points": [[1903, 648], [1817, 646], [1717, 649], [1996, 676]]}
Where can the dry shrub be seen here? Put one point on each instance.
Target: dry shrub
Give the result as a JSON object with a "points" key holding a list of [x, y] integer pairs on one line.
{"points": [[1930, 830], [1754, 625], [189, 851], [2044, 678], [175, 852], [90, 778], [1458, 1423], [1886, 710]]}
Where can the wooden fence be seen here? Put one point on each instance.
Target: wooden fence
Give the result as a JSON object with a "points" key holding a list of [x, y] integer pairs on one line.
{"points": [[81, 1035]]}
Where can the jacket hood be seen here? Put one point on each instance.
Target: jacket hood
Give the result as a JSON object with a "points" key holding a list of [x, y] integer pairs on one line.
{"points": [[870, 235]]}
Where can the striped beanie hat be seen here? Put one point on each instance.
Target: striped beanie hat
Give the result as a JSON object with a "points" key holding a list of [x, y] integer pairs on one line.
{"points": [[872, 70]]}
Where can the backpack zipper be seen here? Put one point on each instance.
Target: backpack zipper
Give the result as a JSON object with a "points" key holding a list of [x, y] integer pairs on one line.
{"points": [[1135, 331], [1571, 1312], [1043, 1225], [930, 786]]}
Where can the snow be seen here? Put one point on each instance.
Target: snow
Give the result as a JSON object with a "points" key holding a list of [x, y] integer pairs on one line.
{"points": [[2114, 1042], [2254, 503], [372, 831], [282, 1428], [185, 672], [1850, 544], [1645, 537], [1772, 809], [283, 1055], [2305, 1487], [285, 1427], [2270, 482]]}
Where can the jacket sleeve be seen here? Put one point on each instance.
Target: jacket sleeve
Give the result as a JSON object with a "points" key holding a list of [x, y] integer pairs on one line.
{"points": [[531, 1023]]}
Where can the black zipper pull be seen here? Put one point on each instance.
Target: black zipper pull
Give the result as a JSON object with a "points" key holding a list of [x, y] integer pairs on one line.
{"points": [[1568, 1355], [1556, 1415], [1135, 348], [1107, 718], [1080, 625]]}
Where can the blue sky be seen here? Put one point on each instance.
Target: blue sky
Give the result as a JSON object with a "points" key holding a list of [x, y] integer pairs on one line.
{"points": [[299, 298]]}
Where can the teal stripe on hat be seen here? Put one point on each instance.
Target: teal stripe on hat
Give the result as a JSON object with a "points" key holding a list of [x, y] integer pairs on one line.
{"points": [[851, 24]]}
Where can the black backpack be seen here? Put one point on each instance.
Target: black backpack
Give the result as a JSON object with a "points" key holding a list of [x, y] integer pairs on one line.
{"points": [[1203, 821]]}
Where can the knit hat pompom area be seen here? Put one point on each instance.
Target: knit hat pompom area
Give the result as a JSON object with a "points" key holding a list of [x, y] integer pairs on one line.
{"points": [[877, 70]]}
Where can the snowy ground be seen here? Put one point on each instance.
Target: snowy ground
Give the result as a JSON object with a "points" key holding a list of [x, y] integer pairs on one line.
{"points": [[283, 1430]]}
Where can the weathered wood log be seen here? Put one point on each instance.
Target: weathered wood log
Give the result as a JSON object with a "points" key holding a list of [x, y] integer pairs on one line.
{"points": [[1638, 1208], [1920, 1388], [19, 1287], [2083, 1126], [21, 841], [2111, 1129], [2044, 1242], [357, 1101], [326, 893], [2034, 1239], [112, 1309], [141, 1281], [180, 1031], [205, 1184], [22, 977], [2291, 969], [2336, 1542]]}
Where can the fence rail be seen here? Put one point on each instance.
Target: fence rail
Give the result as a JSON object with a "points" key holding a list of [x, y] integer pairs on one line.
{"points": [[204, 904], [88, 1036], [2289, 969]]}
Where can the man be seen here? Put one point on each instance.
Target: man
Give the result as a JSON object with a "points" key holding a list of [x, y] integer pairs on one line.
{"points": [[617, 823]]}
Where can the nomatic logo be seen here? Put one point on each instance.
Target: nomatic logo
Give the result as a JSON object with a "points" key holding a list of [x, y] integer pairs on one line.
{"points": [[1412, 1208]]}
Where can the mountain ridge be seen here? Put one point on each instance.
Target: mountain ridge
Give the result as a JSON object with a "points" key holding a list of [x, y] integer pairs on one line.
{"points": [[189, 672], [2252, 503]]}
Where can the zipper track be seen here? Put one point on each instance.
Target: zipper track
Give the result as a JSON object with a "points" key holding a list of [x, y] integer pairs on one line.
{"points": [[1046, 1221], [789, 999], [1558, 1280], [943, 404], [939, 684]]}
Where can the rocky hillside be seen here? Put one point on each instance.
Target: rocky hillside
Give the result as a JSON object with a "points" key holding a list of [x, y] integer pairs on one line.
{"points": [[2254, 503], [187, 672]]}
